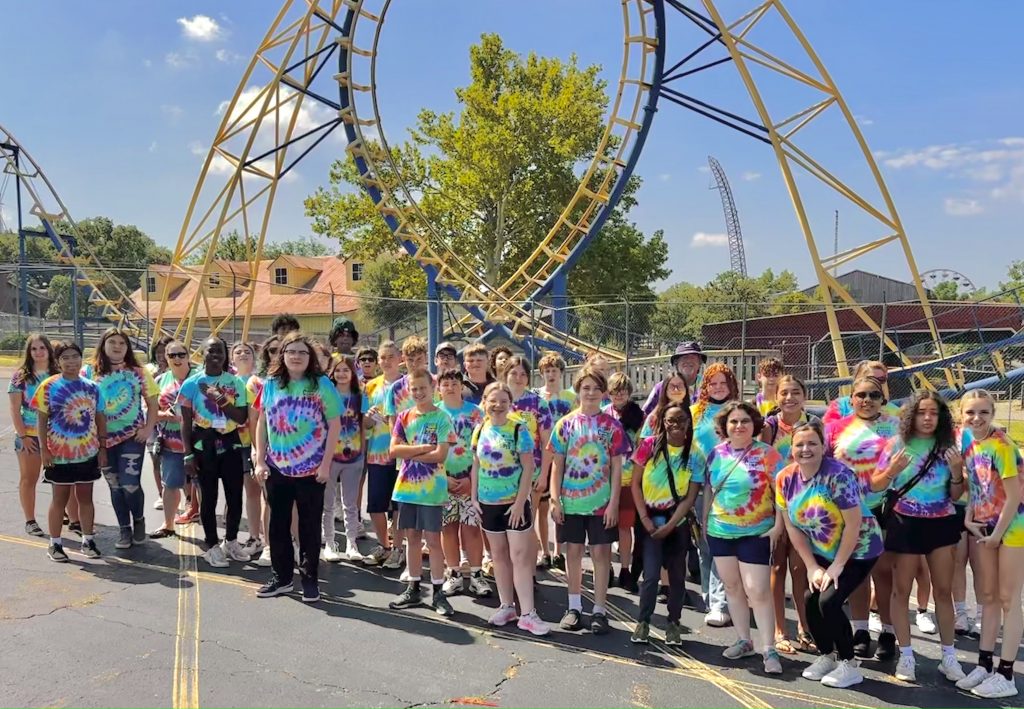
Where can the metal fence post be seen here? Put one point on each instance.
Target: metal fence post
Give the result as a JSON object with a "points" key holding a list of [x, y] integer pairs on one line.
{"points": [[234, 308], [145, 285], [629, 337], [881, 333], [743, 351]]}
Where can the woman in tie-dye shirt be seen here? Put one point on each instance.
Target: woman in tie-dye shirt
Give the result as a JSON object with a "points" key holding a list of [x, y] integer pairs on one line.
{"points": [[923, 521], [844, 406], [995, 520], [168, 431], [857, 442], [838, 539], [743, 526]]}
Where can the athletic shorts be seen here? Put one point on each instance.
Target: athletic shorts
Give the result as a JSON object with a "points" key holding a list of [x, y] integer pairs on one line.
{"points": [[921, 535], [172, 470], [495, 518], [459, 509], [583, 529], [72, 473], [627, 510], [961, 513], [424, 518], [380, 486], [750, 550]]}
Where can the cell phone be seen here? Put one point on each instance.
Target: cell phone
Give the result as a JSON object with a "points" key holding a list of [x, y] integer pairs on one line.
{"points": [[659, 520]]}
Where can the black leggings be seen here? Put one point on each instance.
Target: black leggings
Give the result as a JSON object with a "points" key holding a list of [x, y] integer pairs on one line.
{"points": [[225, 468], [828, 623]]}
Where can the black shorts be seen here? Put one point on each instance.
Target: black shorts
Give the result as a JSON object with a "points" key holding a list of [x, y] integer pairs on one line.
{"points": [[495, 519], [72, 473], [961, 514], [754, 549], [921, 535], [583, 529], [380, 485]]}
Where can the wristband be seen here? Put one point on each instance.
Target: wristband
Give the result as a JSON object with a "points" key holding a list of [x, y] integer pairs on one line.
{"points": [[189, 457]]}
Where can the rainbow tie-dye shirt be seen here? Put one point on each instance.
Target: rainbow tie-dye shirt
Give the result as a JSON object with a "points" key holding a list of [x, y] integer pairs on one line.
{"points": [[500, 470], [170, 431], [378, 438], [588, 443], [350, 441], [655, 484], [815, 508], [418, 482], [27, 387], [123, 392], [704, 434], [537, 415], [930, 496], [70, 406], [782, 432], [764, 405], [460, 455], [205, 412], [560, 404], [858, 444], [744, 505], [988, 462], [398, 397], [634, 439], [297, 416]]}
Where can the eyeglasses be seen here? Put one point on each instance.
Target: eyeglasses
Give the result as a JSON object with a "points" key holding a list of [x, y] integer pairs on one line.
{"points": [[177, 355], [369, 360], [297, 353], [873, 395]]}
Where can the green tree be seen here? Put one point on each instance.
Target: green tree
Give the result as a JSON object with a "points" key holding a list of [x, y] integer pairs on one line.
{"points": [[1015, 274], [386, 284], [494, 176], [947, 290], [39, 252], [234, 247]]}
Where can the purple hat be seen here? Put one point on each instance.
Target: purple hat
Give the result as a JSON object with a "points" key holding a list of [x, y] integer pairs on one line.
{"points": [[688, 348]]}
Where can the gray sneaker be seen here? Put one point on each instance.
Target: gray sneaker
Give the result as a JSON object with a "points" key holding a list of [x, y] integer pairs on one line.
{"points": [[124, 540], [139, 535]]}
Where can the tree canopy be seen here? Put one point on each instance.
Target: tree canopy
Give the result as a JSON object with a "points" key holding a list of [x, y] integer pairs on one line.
{"points": [[234, 247]]}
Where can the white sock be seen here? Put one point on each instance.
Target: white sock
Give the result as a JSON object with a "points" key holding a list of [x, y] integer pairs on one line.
{"points": [[57, 541], [575, 602], [436, 582], [599, 609], [959, 607], [859, 625], [907, 652], [948, 651], [87, 538], [922, 611], [888, 629]]}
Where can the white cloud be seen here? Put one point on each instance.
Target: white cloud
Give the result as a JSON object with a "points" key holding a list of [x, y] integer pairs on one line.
{"points": [[152, 147], [227, 56], [961, 207], [750, 176], [181, 60], [704, 168], [196, 148], [995, 167], [665, 176], [702, 239], [201, 28], [1012, 142], [311, 115]]}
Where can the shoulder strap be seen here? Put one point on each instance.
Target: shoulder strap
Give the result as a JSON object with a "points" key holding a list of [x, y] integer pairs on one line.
{"points": [[933, 455], [718, 488], [671, 476], [515, 436]]}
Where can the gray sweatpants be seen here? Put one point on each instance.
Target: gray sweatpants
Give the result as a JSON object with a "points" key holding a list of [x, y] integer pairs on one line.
{"points": [[350, 475]]}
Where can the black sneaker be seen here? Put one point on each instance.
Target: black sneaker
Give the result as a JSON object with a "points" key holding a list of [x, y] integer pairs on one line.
{"points": [[310, 591], [627, 581], [90, 549], [662, 594], [33, 529], [558, 562], [572, 620], [862, 643], [75, 527], [599, 624], [56, 553], [139, 532], [274, 588], [886, 649], [411, 596], [441, 606]]}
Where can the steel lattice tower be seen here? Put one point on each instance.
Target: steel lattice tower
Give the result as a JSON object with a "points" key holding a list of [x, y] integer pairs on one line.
{"points": [[737, 257]]}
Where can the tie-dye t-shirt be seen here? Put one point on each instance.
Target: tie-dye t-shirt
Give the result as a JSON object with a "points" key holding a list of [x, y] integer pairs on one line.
{"points": [[70, 406], [560, 404], [205, 412], [123, 392], [27, 387], [500, 471], [780, 433], [350, 442], [764, 405], [460, 455], [297, 420], [930, 496], [704, 433], [858, 444], [378, 438], [588, 443], [418, 482], [744, 506], [815, 508], [170, 431], [988, 462], [398, 396], [843, 406], [655, 484], [537, 414], [634, 440]]}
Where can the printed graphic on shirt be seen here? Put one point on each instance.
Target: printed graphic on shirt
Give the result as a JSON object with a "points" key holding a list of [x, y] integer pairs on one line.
{"points": [[858, 445], [744, 505], [196, 395], [350, 442], [500, 470], [418, 482], [70, 407], [460, 455], [588, 443], [297, 420]]}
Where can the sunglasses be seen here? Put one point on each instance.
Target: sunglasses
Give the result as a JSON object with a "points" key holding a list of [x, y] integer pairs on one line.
{"points": [[177, 355], [369, 360], [873, 395]]}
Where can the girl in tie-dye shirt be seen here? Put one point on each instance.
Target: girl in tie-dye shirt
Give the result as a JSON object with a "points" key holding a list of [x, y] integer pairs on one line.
{"points": [[347, 468], [995, 519]]}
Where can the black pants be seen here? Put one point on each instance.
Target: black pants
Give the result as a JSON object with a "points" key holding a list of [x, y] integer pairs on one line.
{"points": [[225, 468], [308, 496], [828, 623], [669, 553]]}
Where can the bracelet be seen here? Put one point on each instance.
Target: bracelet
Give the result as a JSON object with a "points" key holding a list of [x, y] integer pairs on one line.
{"points": [[188, 457], [956, 482]]}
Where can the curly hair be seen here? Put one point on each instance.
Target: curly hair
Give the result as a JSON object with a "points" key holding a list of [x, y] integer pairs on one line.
{"points": [[723, 416], [945, 434], [704, 397]]}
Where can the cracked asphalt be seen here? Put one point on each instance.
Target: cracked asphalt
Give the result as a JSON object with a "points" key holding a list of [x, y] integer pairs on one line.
{"points": [[143, 628]]}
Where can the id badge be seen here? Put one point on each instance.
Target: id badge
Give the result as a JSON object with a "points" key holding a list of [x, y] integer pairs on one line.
{"points": [[219, 421]]}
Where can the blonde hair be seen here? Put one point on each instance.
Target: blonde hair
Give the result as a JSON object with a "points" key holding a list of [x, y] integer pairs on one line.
{"points": [[477, 348], [865, 366], [619, 381], [414, 345], [972, 394], [551, 359], [388, 345]]}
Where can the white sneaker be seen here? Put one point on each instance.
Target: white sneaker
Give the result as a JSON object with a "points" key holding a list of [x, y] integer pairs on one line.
{"points": [[452, 585], [503, 616], [264, 559], [820, 667], [331, 552], [950, 668], [974, 678], [233, 550], [159, 504], [478, 586], [846, 674], [216, 557], [404, 577], [377, 556], [875, 623], [253, 547], [396, 559], [995, 687], [926, 624], [961, 623], [352, 552], [717, 618], [906, 669]]}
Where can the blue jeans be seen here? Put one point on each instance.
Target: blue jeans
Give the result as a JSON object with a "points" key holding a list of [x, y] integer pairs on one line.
{"points": [[124, 476], [711, 587]]}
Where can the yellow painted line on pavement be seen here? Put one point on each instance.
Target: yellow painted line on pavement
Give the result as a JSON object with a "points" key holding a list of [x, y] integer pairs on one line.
{"points": [[185, 680]]}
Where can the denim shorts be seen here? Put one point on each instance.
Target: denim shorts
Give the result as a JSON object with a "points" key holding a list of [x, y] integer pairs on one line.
{"points": [[172, 469]]}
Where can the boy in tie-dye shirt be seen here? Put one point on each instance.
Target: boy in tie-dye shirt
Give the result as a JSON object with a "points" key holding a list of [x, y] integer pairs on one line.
{"points": [[421, 439]]}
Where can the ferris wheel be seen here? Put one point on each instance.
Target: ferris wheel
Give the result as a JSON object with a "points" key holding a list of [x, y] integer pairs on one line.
{"points": [[937, 276]]}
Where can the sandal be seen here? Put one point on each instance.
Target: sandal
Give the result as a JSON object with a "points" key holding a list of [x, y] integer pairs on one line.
{"points": [[806, 642], [784, 645], [161, 533]]}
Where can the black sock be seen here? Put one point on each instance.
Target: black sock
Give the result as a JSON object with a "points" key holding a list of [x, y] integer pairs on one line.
{"points": [[414, 585], [437, 588], [1006, 669], [985, 660]]}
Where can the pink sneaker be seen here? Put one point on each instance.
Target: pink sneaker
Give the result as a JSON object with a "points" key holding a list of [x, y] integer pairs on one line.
{"points": [[503, 616], [532, 623]]}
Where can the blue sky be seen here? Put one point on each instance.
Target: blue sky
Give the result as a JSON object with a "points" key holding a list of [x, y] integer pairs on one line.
{"points": [[117, 100]]}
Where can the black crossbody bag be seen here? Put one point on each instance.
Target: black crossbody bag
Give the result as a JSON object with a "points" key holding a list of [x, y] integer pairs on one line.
{"points": [[894, 496]]}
